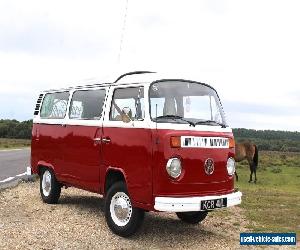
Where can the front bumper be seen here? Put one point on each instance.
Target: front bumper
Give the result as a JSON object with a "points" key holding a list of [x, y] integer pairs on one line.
{"points": [[188, 204]]}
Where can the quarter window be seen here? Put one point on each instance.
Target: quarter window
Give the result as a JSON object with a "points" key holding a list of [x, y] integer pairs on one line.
{"points": [[55, 105], [128, 105], [87, 104]]}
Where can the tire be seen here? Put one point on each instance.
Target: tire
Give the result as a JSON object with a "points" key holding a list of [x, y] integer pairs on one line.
{"points": [[192, 217], [122, 221], [50, 188]]}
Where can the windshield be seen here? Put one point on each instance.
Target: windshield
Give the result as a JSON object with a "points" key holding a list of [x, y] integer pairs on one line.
{"points": [[185, 102]]}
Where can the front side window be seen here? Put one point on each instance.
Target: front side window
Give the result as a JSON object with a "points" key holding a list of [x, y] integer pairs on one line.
{"points": [[185, 102], [128, 105], [55, 105], [87, 104]]}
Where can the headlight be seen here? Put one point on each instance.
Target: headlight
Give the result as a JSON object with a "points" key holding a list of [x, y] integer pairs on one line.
{"points": [[230, 166], [174, 167]]}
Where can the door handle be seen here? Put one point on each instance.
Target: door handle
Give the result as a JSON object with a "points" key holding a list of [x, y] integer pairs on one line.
{"points": [[106, 140]]}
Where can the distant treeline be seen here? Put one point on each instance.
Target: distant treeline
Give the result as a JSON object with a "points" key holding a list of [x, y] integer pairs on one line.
{"points": [[265, 139], [15, 129], [271, 140]]}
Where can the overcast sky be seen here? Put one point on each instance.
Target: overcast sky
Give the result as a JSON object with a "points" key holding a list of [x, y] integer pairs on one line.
{"points": [[248, 50]]}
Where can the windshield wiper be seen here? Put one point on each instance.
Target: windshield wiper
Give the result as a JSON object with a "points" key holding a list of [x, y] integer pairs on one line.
{"points": [[210, 121], [175, 117]]}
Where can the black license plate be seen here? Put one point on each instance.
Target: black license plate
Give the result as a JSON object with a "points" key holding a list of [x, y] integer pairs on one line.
{"points": [[213, 204]]}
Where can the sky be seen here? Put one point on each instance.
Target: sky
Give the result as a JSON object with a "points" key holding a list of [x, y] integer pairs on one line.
{"points": [[248, 50]]}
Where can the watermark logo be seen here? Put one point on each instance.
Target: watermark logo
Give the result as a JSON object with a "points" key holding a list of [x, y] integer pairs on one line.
{"points": [[268, 238]]}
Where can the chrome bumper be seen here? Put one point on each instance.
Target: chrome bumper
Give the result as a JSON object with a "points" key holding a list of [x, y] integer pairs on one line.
{"points": [[188, 204]]}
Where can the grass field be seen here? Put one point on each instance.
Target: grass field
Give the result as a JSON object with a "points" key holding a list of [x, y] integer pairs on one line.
{"points": [[273, 204], [13, 143]]}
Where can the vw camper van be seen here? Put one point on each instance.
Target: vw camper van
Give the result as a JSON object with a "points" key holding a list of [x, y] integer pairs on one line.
{"points": [[144, 142]]}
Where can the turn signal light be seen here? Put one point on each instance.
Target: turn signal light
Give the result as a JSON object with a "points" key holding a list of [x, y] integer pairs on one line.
{"points": [[175, 142], [231, 143]]}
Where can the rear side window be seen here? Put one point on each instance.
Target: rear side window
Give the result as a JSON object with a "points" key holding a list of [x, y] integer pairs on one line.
{"points": [[55, 105], [129, 101], [87, 104]]}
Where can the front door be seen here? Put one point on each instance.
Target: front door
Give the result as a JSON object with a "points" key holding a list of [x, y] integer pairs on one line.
{"points": [[127, 141], [82, 151]]}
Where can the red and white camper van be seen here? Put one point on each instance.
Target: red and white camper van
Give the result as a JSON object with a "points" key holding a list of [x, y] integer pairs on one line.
{"points": [[144, 142]]}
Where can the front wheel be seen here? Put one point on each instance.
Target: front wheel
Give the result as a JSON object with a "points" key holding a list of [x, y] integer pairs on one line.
{"points": [[121, 217], [50, 188], [192, 217]]}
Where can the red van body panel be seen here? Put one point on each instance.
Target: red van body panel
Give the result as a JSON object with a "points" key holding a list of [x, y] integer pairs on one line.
{"points": [[70, 151], [82, 156], [47, 146], [130, 149], [193, 180], [141, 155]]}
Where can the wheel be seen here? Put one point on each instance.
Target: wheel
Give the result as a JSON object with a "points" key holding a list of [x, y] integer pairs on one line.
{"points": [[50, 188], [192, 217], [123, 219]]}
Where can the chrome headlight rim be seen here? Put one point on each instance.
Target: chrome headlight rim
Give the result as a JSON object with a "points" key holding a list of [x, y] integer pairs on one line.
{"points": [[230, 165], [169, 169]]}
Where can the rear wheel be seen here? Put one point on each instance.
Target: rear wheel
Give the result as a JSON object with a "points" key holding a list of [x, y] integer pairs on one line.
{"points": [[192, 217], [121, 217], [50, 188]]}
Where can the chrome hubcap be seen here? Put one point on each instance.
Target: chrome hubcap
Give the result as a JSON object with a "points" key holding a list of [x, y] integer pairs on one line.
{"points": [[120, 209], [46, 183]]}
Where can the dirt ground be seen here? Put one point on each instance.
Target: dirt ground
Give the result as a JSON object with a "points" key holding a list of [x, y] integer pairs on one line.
{"points": [[78, 222]]}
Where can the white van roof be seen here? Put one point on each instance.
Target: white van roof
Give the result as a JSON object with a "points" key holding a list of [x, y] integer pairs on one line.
{"points": [[127, 78]]}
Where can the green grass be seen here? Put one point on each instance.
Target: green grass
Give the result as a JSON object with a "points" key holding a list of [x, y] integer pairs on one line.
{"points": [[6, 143], [273, 204]]}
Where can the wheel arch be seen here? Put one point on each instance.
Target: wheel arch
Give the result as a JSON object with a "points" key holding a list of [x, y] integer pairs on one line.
{"points": [[41, 165], [112, 176]]}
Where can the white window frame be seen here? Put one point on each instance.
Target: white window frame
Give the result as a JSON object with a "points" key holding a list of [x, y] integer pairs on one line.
{"points": [[132, 124], [66, 120]]}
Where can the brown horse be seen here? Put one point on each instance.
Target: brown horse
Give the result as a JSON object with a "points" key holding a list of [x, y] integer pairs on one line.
{"points": [[247, 150]]}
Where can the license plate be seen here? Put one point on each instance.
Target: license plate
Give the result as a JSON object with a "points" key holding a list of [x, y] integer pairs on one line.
{"points": [[213, 204]]}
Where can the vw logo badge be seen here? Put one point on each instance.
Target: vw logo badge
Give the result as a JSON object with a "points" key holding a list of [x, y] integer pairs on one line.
{"points": [[209, 166]]}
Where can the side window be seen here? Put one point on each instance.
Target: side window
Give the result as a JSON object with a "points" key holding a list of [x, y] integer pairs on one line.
{"points": [[128, 105], [87, 104], [55, 105]]}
